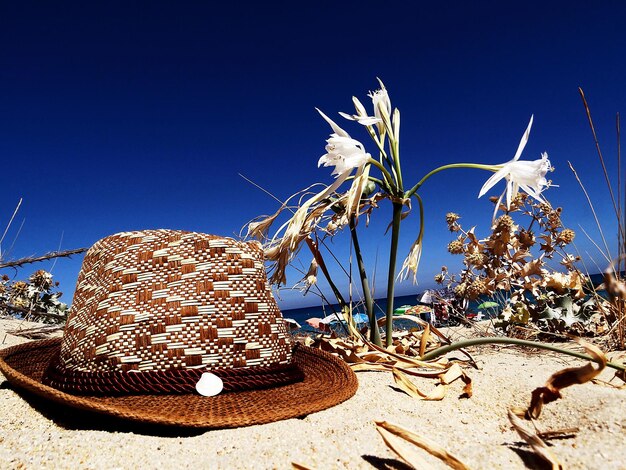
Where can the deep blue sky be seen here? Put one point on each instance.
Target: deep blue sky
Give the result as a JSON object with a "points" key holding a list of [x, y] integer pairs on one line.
{"points": [[129, 115]]}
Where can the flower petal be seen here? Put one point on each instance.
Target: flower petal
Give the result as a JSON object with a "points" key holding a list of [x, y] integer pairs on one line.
{"points": [[524, 139], [490, 183], [338, 130], [347, 116]]}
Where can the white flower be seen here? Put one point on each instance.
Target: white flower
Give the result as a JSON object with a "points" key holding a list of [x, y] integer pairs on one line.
{"points": [[381, 102], [527, 175], [361, 114], [344, 152], [382, 109]]}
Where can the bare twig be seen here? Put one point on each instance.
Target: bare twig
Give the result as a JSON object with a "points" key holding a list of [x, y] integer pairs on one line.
{"points": [[47, 256]]}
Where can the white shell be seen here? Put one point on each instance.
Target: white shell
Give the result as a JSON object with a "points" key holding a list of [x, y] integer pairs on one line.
{"points": [[209, 385]]}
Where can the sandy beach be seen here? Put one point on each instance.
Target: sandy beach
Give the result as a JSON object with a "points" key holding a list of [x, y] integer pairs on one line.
{"points": [[39, 435]]}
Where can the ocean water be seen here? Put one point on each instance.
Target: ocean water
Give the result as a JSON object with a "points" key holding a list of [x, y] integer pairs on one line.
{"points": [[380, 306]]}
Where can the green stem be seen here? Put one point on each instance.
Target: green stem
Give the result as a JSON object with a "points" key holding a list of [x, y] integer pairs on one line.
{"points": [[383, 170], [478, 166], [369, 301], [391, 279], [394, 145], [519, 342]]}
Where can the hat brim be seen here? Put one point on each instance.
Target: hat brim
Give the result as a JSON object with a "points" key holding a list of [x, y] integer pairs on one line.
{"points": [[328, 381]]}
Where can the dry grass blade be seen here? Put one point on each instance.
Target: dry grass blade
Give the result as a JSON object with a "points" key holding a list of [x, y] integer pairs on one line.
{"points": [[607, 253], [595, 138], [394, 435], [551, 391], [534, 441], [17, 208], [407, 386]]}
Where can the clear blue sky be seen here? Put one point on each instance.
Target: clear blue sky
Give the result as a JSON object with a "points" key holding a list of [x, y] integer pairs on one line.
{"points": [[130, 115]]}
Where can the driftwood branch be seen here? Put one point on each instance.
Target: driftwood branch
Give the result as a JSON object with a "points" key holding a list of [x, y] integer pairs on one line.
{"points": [[36, 259]]}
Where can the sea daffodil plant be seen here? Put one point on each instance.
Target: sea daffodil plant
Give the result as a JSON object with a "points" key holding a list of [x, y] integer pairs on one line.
{"points": [[330, 209]]}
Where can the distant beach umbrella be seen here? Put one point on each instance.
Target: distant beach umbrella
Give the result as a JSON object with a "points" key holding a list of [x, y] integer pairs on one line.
{"points": [[427, 297], [323, 323], [488, 304], [318, 324], [292, 324]]}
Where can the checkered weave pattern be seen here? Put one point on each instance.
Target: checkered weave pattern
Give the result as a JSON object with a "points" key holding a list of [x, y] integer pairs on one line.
{"points": [[157, 300]]}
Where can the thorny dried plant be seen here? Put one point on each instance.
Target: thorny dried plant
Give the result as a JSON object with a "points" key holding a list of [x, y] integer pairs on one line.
{"points": [[514, 265], [35, 299]]}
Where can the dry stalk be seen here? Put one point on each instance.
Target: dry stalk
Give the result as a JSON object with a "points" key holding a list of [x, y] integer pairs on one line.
{"points": [[595, 138]]}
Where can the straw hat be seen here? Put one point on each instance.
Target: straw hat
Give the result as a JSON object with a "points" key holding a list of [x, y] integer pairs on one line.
{"points": [[160, 316]]}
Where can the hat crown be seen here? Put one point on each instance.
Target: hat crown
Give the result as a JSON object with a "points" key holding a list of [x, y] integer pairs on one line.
{"points": [[162, 299]]}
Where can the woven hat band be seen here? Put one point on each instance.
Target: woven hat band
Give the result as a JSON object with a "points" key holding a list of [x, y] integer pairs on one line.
{"points": [[172, 381]]}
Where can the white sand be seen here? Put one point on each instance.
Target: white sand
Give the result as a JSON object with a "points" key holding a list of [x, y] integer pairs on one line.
{"points": [[475, 429]]}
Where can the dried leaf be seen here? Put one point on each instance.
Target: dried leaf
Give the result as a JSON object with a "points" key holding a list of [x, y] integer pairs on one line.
{"points": [[405, 384], [551, 391], [467, 389], [539, 447], [424, 340], [394, 435], [373, 357], [299, 466], [399, 447], [428, 374], [437, 364], [565, 433], [520, 255], [455, 372]]}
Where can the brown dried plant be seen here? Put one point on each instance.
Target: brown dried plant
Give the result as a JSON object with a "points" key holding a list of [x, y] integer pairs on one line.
{"points": [[36, 298], [514, 265]]}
